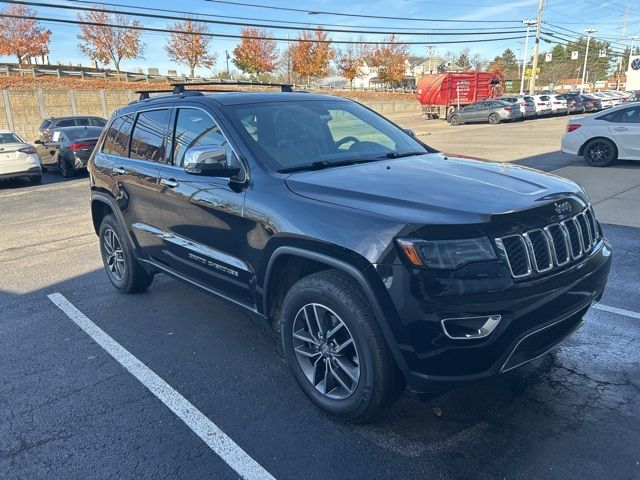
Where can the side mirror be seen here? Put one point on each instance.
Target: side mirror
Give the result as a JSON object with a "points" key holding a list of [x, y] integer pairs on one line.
{"points": [[38, 142], [410, 132], [209, 160]]}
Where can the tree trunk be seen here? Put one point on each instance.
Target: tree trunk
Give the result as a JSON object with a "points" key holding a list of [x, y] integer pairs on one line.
{"points": [[19, 60], [117, 64], [191, 70]]}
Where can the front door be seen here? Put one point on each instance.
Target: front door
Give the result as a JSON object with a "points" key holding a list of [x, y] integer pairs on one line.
{"points": [[206, 234], [49, 147]]}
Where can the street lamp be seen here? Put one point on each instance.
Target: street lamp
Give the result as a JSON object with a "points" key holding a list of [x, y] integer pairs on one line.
{"points": [[529, 24], [588, 31]]}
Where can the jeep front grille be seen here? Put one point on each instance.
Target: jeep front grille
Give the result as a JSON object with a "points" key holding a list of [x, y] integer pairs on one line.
{"points": [[543, 249]]}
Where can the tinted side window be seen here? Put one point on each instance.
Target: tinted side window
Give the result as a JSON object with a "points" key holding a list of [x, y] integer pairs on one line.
{"points": [[610, 117], [195, 128], [630, 115], [121, 144], [82, 122], [147, 141], [110, 137], [66, 123], [97, 122]]}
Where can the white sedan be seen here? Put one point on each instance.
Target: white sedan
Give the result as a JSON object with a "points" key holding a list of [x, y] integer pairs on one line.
{"points": [[605, 136], [18, 158]]}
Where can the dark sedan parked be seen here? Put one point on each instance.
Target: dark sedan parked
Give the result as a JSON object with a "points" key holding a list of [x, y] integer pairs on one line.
{"points": [[591, 102], [68, 149], [53, 123], [575, 103], [492, 111]]}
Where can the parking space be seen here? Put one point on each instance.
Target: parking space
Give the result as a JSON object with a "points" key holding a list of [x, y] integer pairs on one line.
{"points": [[72, 408]]}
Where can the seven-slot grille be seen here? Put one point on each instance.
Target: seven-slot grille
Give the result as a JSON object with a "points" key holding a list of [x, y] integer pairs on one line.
{"points": [[541, 249]]}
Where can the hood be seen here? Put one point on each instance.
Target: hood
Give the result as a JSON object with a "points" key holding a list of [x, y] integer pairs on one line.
{"points": [[434, 189]]}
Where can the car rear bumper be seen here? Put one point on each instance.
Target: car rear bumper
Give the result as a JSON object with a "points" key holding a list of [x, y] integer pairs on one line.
{"points": [[535, 316], [30, 172], [571, 143]]}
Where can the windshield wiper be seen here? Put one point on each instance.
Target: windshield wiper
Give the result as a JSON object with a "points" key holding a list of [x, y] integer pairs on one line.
{"points": [[402, 154], [322, 164]]}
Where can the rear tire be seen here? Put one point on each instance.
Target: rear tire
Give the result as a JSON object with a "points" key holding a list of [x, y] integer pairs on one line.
{"points": [[494, 119], [65, 170], [120, 264], [600, 152], [349, 374]]}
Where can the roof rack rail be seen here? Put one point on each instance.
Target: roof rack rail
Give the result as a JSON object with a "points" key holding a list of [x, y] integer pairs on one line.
{"points": [[180, 87], [144, 94]]}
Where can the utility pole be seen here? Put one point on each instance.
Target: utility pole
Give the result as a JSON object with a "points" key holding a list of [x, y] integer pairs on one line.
{"points": [[226, 54], [588, 31], [624, 34], [536, 47], [528, 23]]}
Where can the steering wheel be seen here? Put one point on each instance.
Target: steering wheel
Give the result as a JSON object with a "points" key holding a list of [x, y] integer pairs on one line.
{"points": [[347, 139]]}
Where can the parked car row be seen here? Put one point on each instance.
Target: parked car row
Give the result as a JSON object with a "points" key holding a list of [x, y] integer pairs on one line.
{"points": [[65, 143], [539, 105]]}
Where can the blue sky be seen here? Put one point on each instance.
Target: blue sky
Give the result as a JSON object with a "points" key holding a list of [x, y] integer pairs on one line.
{"points": [[607, 16]]}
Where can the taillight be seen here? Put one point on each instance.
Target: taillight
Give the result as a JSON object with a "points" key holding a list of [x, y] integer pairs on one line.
{"points": [[507, 108], [573, 126], [28, 150], [80, 146]]}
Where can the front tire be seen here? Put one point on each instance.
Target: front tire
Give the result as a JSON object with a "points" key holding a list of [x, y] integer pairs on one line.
{"points": [[600, 152], [335, 348], [494, 119], [120, 264]]}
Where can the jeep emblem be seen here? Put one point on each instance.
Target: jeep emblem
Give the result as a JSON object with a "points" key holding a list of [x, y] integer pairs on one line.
{"points": [[562, 207]]}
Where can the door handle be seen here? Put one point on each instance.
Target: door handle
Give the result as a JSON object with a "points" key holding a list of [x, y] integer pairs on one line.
{"points": [[119, 170], [169, 182], [621, 129]]}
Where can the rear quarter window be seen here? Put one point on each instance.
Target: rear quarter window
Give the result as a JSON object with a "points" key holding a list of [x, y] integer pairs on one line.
{"points": [[97, 122], [69, 122]]}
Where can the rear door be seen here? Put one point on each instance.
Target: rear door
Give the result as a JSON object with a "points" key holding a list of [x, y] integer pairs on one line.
{"points": [[134, 149], [206, 233], [626, 131], [49, 148]]}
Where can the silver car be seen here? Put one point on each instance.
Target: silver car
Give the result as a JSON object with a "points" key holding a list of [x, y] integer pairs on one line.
{"points": [[527, 107], [492, 111], [18, 158]]}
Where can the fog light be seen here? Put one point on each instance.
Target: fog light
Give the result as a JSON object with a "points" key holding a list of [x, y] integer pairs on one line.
{"points": [[470, 328]]}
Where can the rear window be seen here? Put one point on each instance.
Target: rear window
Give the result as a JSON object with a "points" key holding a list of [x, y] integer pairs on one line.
{"points": [[529, 100], [97, 122], [10, 138], [544, 98], [89, 132], [82, 122], [147, 140]]}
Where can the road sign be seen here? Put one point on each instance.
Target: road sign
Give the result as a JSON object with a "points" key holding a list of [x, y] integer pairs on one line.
{"points": [[527, 71], [574, 55], [548, 57], [602, 53]]}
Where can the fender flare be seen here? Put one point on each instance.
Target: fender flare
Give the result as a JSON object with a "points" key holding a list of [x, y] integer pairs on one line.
{"points": [[113, 205], [358, 276]]}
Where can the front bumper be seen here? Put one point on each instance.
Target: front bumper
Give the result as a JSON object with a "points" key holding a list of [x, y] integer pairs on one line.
{"points": [[536, 316]]}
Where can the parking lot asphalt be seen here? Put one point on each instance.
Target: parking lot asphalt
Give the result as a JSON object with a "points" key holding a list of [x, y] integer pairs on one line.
{"points": [[69, 409]]}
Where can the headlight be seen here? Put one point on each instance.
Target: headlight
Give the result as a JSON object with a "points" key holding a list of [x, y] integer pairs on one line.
{"points": [[447, 254]]}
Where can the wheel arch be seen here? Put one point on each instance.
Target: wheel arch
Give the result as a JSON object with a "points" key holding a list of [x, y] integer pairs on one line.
{"points": [[357, 274]]}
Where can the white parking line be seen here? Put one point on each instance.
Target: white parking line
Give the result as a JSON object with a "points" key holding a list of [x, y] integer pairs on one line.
{"points": [[208, 431], [619, 311]]}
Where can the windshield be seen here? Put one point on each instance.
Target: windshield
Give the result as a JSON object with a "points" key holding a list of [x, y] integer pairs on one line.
{"points": [[10, 138], [310, 133]]}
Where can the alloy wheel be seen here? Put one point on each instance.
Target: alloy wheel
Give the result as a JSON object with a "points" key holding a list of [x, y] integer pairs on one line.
{"points": [[599, 152], [113, 254], [326, 351]]}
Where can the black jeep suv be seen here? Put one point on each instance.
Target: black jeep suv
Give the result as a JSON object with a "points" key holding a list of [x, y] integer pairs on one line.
{"points": [[380, 261]]}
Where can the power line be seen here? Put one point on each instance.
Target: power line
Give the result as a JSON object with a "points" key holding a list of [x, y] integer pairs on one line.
{"points": [[242, 24], [355, 15], [251, 37], [289, 22]]}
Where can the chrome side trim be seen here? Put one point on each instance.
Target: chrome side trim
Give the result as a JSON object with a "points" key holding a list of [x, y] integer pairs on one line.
{"points": [[144, 227], [491, 324]]}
